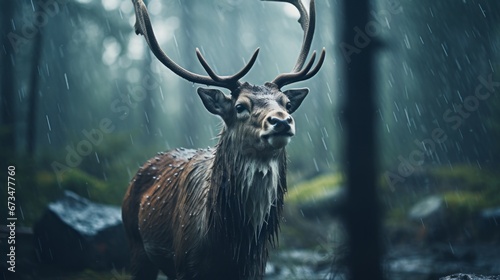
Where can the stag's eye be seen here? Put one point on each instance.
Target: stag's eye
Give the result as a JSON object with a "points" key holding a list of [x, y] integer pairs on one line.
{"points": [[288, 106], [240, 108]]}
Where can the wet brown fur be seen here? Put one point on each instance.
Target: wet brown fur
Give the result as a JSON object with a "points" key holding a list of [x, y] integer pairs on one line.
{"points": [[184, 210]]}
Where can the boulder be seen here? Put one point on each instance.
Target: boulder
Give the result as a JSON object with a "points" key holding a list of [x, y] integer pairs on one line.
{"points": [[489, 223], [428, 210], [429, 214], [76, 233]]}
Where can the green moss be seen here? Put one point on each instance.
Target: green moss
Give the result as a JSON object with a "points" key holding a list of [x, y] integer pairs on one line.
{"points": [[477, 187], [83, 184], [467, 177], [314, 188], [36, 192], [465, 204]]}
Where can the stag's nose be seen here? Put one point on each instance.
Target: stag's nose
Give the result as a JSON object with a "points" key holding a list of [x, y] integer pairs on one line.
{"points": [[280, 124]]}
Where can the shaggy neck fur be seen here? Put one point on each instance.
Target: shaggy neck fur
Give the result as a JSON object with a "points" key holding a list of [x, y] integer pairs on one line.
{"points": [[246, 200], [259, 186]]}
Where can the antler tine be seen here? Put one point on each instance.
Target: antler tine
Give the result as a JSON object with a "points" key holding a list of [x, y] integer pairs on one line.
{"points": [[304, 74], [143, 26], [308, 23], [282, 79], [227, 79]]}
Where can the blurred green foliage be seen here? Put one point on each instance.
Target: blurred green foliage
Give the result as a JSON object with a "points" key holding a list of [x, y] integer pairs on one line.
{"points": [[315, 187]]}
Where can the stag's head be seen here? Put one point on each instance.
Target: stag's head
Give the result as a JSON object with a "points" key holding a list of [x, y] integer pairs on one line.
{"points": [[258, 118]]}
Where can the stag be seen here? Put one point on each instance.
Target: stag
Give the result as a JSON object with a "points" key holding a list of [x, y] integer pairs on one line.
{"points": [[213, 213]]}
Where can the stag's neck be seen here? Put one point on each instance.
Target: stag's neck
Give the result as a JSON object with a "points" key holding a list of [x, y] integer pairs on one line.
{"points": [[247, 186]]}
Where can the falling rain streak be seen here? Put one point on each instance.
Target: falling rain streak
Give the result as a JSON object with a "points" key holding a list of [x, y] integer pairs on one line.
{"points": [[48, 122], [66, 80]]}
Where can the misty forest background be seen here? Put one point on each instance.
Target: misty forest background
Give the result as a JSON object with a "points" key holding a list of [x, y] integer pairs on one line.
{"points": [[84, 103]]}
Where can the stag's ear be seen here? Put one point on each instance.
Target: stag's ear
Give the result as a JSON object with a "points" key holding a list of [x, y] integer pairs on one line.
{"points": [[296, 97], [215, 101]]}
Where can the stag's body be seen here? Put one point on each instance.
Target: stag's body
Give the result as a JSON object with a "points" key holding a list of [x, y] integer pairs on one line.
{"points": [[211, 214]]}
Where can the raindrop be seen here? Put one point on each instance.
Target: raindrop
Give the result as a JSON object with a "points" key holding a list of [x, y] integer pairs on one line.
{"points": [[324, 144], [161, 94], [451, 248], [48, 122], [407, 42], [395, 117], [316, 165], [22, 213], [444, 49], [429, 27], [66, 79], [482, 10]]}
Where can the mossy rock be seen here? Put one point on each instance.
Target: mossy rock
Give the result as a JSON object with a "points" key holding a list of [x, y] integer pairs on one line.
{"points": [[464, 206], [85, 185], [465, 177], [315, 188], [45, 188]]}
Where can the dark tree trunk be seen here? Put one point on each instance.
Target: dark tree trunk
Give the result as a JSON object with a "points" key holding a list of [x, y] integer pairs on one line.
{"points": [[7, 125], [33, 95], [362, 218]]}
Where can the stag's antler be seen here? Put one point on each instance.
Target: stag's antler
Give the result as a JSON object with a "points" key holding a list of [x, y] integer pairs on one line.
{"points": [[307, 22], [299, 72], [143, 26]]}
